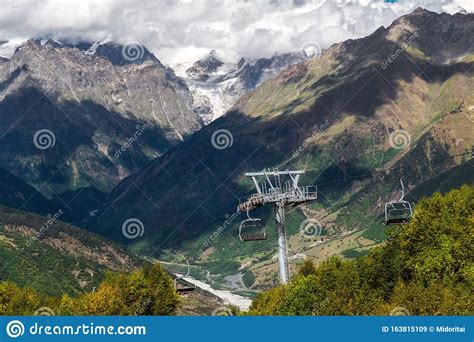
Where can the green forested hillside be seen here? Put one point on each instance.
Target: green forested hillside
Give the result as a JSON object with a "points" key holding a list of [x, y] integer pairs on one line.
{"points": [[425, 268], [354, 126], [53, 257], [354, 123], [148, 291]]}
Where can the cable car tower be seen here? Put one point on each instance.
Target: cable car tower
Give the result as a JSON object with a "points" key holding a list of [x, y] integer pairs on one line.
{"points": [[281, 195]]}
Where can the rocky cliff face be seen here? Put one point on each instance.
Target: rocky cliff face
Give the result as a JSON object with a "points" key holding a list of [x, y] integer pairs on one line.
{"points": [[398, 102], [88, 115], [216, 85]]}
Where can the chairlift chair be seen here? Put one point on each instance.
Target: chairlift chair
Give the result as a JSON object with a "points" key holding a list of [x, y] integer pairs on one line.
{"points": [[252, 223], [398, 212], [180, 288], [187, 287]]}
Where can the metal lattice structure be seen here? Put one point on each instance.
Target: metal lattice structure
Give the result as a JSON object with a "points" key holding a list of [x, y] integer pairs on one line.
{"points": [[281, 195]]}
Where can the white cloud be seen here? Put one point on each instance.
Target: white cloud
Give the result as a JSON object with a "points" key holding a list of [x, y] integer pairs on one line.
{"points": [[183, 31]]}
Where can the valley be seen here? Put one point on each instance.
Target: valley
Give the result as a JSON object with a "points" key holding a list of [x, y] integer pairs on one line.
{"points": [[216, 85], [137, 162], [55, 258], [354, 126]]}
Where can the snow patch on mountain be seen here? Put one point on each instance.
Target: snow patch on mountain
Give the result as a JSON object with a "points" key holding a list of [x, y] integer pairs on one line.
{"points": [[216, 86], [8, 47]]}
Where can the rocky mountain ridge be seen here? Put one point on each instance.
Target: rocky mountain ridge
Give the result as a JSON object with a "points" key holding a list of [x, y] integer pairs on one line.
{"points": [[396, 103], [73, 118], [216, 85]]}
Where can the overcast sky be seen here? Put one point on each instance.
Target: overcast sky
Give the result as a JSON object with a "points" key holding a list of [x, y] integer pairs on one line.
{"points": [[183, 31]]}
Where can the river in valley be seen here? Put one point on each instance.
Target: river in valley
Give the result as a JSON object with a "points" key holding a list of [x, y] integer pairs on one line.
{"points": [[243, 303]]}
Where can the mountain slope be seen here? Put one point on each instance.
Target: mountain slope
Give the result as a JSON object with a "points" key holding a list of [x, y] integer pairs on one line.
{"points": [[216, 85], [56, 258], [424, 269], [78, 120], [15, 193], [397, 103]]}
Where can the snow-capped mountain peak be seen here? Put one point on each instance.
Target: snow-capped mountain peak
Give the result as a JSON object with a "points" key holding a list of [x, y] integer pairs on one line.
{"points": [[205, 67], [216, 86]]}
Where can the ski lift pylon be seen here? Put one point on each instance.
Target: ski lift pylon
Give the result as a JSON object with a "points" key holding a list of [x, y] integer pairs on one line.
{"points": [[398, 212]]}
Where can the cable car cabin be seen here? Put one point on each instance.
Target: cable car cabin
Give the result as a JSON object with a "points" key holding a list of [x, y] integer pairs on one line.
{"points": [[398, 212], [252, 229]]}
